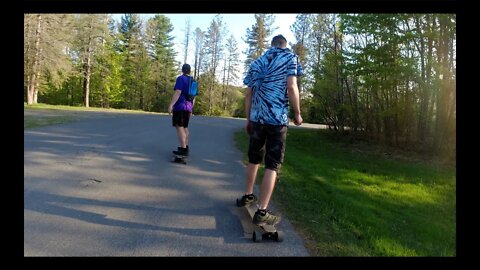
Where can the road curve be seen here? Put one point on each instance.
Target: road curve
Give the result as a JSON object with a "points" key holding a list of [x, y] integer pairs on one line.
{"points": [[104, 186]]}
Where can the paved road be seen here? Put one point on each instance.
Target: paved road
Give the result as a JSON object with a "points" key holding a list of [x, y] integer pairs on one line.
{"points": [[105, 186]]}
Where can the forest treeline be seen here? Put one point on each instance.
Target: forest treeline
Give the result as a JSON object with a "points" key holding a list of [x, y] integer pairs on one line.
{"points": [[388, 78]]}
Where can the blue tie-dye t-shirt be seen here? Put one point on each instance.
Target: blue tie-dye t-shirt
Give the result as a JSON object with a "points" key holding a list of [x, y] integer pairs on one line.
{"points": [[267, 77]]}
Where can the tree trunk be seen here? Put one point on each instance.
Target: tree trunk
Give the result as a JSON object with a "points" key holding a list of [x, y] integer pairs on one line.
{"points": [[444, 95], [424, 99], [86, 87], [35, 90], [26, 55], [228, 79], [29, 89], [447, 140], [224, 86], [32, 82], [87, 69]]}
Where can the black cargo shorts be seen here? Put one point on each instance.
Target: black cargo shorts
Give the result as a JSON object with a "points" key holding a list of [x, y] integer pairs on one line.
{"points": [[181, 118], [267, 141]]}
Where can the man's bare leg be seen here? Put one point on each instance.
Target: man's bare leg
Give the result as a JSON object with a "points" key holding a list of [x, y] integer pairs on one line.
{"points": [[181, 136], [266, 189], [252, 170]]}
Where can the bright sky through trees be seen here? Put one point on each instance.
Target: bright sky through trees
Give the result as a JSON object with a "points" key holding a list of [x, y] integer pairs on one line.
{"points": [[236, 24]]}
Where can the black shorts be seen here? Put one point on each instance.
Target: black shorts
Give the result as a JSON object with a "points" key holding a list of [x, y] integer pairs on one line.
{"points": [[181, 118], [268, 141]]}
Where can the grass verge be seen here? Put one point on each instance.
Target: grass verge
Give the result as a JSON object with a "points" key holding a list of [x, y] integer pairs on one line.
{"points": [[346, 199]]}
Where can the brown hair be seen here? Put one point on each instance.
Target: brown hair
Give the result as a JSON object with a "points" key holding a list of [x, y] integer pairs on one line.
{"points": [[279, 41]]}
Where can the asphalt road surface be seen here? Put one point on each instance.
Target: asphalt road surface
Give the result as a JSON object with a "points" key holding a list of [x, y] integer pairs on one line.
{"points": [[105, 186]]}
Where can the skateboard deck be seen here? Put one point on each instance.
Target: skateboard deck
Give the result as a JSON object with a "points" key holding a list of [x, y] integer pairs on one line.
{"points": [[179, 159], [261, 232]]}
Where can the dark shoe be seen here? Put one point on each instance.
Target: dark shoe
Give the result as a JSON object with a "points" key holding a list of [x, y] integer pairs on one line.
{"points": [[263, 217], [181, 151], [247, 200]]}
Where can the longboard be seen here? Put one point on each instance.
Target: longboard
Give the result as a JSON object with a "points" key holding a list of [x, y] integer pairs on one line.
{"points": [[179, 159], [261, 232]]}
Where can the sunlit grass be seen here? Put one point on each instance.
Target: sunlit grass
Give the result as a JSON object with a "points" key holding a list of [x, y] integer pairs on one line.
{"points": [[33, 122], [78, 108], [68, 114], [349, 201]]}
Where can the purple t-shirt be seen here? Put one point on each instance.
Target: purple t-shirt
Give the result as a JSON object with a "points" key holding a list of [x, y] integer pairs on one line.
{"points": [[182, 104]]}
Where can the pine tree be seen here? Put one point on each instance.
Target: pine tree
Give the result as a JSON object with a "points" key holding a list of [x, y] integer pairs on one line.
{"points": [[162, 54], [130, 35], [257, 37]]}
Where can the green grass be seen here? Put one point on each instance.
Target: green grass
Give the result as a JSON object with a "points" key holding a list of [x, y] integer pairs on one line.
{"points": [[59, 114], [348, 199], [33, 122], [44, 106]]}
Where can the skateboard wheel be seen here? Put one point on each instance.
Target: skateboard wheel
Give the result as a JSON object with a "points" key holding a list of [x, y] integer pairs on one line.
{"points": [[279, 236], [257, 237]]}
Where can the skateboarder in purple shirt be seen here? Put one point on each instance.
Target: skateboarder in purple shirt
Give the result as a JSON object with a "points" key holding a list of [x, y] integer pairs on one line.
{"points": [[182, 110]]}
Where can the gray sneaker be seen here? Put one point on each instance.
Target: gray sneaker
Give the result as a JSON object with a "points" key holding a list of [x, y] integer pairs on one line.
{"points": [[247, 200], [261, 219]]}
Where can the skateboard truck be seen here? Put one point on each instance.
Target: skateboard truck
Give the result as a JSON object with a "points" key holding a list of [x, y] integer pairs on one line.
{"points": [[262, 233]]}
